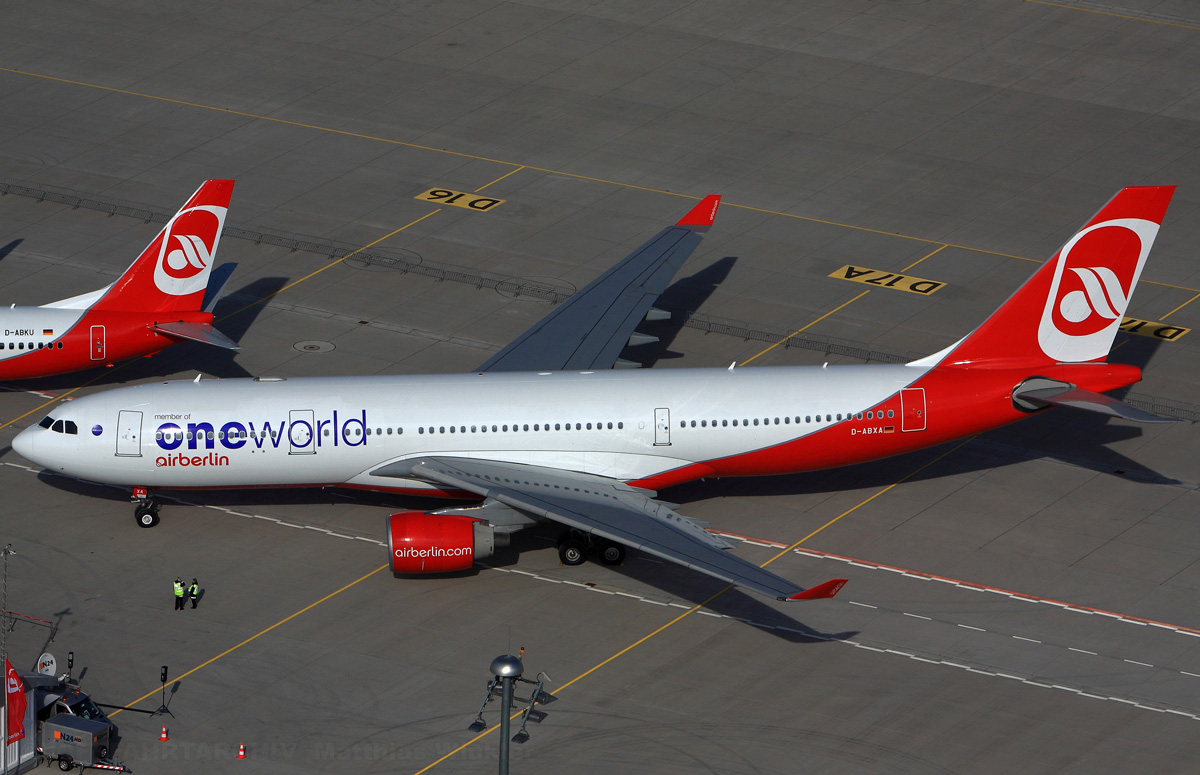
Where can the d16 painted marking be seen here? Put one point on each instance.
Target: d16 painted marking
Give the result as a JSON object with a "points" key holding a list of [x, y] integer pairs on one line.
{"points": [[882, 279], [1160, 331], [469, 201]]}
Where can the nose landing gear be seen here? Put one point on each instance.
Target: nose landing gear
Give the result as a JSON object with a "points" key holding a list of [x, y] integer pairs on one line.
{"points": [[145, 509]]}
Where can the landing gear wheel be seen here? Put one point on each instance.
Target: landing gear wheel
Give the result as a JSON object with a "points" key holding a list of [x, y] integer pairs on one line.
{"points": [[65, 764], [572, 551], [612, 553], [146, 515]]}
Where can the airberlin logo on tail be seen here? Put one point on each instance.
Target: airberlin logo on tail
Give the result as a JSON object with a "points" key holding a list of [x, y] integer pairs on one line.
{"points": [[1093, 280], [186, 249]]}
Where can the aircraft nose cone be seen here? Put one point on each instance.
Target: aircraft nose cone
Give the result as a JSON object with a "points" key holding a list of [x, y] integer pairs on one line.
{"points": [[23, 444]]}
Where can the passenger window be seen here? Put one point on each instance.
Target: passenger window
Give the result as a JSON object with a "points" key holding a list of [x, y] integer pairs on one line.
{"points": [[890, 414], [60, 345], [620, 426], [725, 423]]}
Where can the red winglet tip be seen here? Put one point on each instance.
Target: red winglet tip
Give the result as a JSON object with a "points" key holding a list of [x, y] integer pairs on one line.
{"points": [[703, 214], [821, 591]]}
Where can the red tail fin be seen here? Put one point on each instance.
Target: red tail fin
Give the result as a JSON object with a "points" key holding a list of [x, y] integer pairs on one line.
{"points": [[172, 272], [1070, 310]]}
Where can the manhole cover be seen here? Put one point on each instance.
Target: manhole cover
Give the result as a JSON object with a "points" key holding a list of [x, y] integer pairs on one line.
{"points": [[313, 346], [536, 288]]}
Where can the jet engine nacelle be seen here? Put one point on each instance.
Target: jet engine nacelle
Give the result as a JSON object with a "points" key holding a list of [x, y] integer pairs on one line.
{"points": [[435, 543]]}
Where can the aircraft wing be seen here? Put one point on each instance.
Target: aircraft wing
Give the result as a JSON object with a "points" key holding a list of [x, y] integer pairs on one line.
{"points": [[589, 330], [605, 508]]}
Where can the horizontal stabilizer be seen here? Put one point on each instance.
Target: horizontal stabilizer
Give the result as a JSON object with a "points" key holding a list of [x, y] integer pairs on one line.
{"points": [[1068, 395], [197, 332], [820, 591]]}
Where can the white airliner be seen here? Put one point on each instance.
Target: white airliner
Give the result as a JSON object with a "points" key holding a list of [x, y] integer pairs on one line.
{"points": [[165, 297], [547, 430]]}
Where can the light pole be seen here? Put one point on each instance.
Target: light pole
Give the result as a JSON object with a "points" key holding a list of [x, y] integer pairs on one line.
{"points": [[507, 669]]}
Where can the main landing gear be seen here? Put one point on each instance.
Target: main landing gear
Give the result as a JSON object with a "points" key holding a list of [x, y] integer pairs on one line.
{"points": [[574, 547], [145, 510]]}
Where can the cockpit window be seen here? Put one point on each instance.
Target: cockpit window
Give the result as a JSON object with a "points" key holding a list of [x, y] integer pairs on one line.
{"points": [[72, 428], [57, 427], [46, 422], [60, 426]]}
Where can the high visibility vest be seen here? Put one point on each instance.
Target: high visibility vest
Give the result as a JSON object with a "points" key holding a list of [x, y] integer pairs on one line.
{"points": [[194, 590], [178, 589]]}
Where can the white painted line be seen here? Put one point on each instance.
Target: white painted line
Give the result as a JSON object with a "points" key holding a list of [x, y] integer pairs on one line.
{"points": [[901, 653], [918, 616], [1082, 651], [288, 524], [864, 605], [953, 664], [1031, 640], [930, 661], [1193, 675], [1135, 662], [969, 627], [1093, 696]]}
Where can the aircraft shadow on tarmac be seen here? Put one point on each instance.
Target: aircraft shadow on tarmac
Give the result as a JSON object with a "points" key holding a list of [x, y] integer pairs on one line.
{"points": [[4, 251], [681, 298]]}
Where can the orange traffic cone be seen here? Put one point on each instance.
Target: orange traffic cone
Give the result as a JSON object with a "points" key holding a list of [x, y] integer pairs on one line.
{"points": [[241, 750], [163, 736]]}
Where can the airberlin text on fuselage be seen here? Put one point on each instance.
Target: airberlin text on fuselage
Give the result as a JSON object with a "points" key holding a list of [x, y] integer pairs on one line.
{"points": [[235, 435]]}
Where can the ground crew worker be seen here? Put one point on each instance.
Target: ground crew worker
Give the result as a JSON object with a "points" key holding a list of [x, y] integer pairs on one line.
{"points": [[194, 592], [179, 594]]}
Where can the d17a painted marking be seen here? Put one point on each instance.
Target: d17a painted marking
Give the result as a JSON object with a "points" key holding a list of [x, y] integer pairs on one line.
{"points": [[1160, 331], [882, 279]]}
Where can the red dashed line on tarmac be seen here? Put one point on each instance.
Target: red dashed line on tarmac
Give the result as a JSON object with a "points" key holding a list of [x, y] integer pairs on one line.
{"points": [[1081, 609]]}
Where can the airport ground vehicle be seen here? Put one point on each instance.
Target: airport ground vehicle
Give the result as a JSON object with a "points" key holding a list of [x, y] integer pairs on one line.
{"points": [[63, 726]]}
